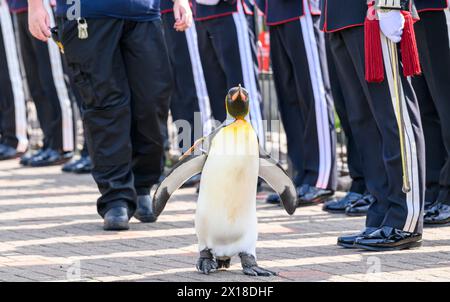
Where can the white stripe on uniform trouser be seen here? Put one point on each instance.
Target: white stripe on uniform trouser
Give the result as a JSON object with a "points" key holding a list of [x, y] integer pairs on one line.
{"points": [[199, 80], [413, 197], [20, 113], [61, 88], [320, 101], [249, 72]]}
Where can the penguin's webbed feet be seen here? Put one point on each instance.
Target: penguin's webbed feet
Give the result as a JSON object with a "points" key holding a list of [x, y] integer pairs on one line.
{"points": [[251, 268], [206, 263]]}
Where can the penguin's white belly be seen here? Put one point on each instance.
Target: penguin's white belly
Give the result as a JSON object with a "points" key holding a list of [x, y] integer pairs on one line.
{"points": [[226, 209]]}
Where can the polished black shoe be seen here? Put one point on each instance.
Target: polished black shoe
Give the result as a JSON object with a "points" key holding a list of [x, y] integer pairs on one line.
{"points": [[83, 165], [27, 157], [438, 214], [116, 219], [349, 240], [8, 152], [144, 209], [68, 167], [339, 205], [389, 239], [50, 157], [2, 147], [361, 206], [314, 196], [275, 198]]}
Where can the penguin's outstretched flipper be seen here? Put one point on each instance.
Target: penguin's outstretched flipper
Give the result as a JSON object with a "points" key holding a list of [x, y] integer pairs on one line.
{"points": [[183, 171], [276, 177]]}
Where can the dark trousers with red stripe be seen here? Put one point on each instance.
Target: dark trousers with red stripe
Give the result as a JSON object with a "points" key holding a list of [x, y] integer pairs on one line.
{"points": [[433, 92], [374, 126]]}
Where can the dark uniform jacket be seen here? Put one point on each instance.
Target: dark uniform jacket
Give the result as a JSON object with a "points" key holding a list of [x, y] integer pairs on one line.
{"points": [[223, 8], [341, 14], [427, 5], [283, 11]]}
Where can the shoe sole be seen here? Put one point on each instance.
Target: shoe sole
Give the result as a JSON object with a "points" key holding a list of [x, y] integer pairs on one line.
{"points": [[356, 214], [122, 226], [56, 163], [404, 246], [334, 211], [345, 245], [436, 223], [146, 219], [315, 201]]}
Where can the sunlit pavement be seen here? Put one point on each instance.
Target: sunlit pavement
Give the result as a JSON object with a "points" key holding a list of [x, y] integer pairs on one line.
{"points": [[50, 231]]}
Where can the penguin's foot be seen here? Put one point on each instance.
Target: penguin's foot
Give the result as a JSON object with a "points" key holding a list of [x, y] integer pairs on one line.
{"points": [[251, 268], [223, 263], [206, 263]]}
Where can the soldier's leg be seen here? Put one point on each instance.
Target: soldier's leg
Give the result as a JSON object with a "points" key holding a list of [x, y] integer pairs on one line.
{"points": [[100, 75], [235, 55], [319, 137], [14, 122], [363, 126], [435, 150], [184, 100], [433, 42], [404, 212], [215, 77], [288, 102], [148, 68]]}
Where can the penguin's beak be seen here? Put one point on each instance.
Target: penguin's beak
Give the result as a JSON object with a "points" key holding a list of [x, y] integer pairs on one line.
{"points": [[239, 94]]}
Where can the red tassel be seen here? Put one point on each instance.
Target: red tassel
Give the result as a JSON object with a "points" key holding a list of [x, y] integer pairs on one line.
{"points": [[373, 51], [410, 54]]}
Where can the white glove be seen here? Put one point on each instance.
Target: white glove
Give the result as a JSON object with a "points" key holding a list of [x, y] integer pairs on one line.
{"points": [[391, 24]]}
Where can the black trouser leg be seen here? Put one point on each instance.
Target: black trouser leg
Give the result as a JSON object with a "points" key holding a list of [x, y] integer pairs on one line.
{"points": [[41, 85], [433, 43], [184, 102], [149, 77], [291, 109], [353, 157], [122, 73], [300, 81], [222, 44], [372, 116], [216, 79], [8, 121]]}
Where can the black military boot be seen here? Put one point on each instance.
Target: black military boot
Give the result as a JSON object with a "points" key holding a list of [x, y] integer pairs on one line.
{"points": [[144, 210], [116, 219]]}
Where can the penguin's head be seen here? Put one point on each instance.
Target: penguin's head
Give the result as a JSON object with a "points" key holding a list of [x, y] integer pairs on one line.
{"points": [[237, 102]]}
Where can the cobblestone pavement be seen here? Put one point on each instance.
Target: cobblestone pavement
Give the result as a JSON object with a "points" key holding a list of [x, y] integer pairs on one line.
{"points": [[50, 231]]}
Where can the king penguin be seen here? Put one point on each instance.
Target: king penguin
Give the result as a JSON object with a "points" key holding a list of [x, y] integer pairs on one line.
{"points": [[225, 220]]}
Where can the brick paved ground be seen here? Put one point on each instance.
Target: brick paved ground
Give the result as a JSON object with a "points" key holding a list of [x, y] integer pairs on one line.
{"points": [[49, 230]]}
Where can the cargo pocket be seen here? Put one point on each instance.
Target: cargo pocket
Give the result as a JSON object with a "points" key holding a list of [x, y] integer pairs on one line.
{"points": [[84, 85]]}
